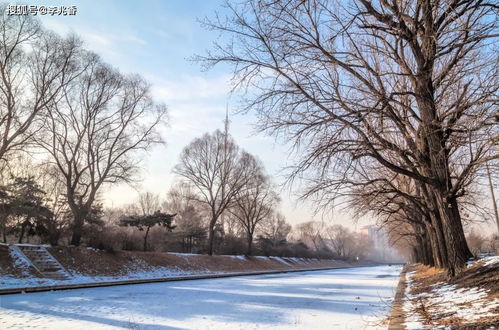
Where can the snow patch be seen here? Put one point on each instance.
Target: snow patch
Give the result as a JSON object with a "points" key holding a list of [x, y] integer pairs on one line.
{"points": [[282, 260], [138, 272], [412, 318], [240, 257], [20, 260], [183, 254], [491, 261], [470, 304]]}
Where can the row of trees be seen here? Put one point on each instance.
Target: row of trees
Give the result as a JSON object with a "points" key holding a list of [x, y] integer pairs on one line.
{"points": [[84, 123], [188, 230], [178, 222], [391, 105], [82, 120]]}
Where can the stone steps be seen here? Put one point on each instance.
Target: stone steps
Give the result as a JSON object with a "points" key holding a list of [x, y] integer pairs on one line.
{"points": [[43, 261]]}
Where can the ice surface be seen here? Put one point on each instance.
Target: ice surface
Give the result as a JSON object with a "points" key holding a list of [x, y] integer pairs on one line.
{"points": [[350, 298]]}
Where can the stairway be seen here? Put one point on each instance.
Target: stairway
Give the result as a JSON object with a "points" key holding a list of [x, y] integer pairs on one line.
{"points": [[43, 261]]}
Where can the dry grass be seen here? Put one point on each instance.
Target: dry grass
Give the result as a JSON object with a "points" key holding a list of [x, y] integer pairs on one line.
{"points": [[425, 279]]}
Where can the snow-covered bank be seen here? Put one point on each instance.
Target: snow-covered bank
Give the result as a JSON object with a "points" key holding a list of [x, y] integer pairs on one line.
{"points": [[9, 282], [84, 265], [471, 299], [353, 298]]}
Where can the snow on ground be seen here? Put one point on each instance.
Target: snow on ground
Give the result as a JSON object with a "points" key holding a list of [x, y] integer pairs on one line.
{"points": [[491, 261], [281, 260], [20, 261], [487, 261], [470, 304], [412, 319], [349, 298], [7, 282], [140, 271], [240, 257]]}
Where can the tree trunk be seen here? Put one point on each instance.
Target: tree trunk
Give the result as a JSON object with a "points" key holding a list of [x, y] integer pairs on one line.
{"points": [[458, 252], [211, 235], [415, 254], [418, 250], [434, 229], [145, 238], [54, 235], [23, 228], [79, 219], [249, 248], [3, 221], [436, 165], [436, 248], [426, 247]]}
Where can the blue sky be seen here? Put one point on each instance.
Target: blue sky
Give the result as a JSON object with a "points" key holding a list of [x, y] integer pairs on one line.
{"points": [[155, 38]]}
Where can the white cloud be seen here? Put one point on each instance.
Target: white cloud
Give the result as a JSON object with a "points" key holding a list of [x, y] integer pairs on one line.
{"points": [[192, 88]]}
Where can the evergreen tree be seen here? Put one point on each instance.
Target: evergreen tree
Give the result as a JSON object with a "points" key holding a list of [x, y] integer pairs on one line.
{"points": [[146, 222]]}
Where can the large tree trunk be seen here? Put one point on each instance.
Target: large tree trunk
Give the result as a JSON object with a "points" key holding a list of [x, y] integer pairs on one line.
{"points": [[23, 229], [249, 247], [53, 235], [458, 252], [426, 239], [3, 222], [434, 246], [426, 247], [433, 227], [79, 219], [418, 250], [211, 235], [435, 152]]}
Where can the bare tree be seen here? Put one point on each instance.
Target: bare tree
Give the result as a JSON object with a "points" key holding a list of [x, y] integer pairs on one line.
{"points": [[149, 203], [408, 85], [311, 233], [254, 204], [35, 65], [275, 229], [191, 228], [340, 240], [216, 169], [94, 132]]}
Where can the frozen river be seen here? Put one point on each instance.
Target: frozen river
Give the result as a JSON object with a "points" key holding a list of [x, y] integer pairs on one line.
{"points": [[350, 298]]}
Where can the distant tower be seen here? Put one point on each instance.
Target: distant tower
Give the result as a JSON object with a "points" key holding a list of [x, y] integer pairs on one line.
{"points": [[226, 140], [226, 121]]}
